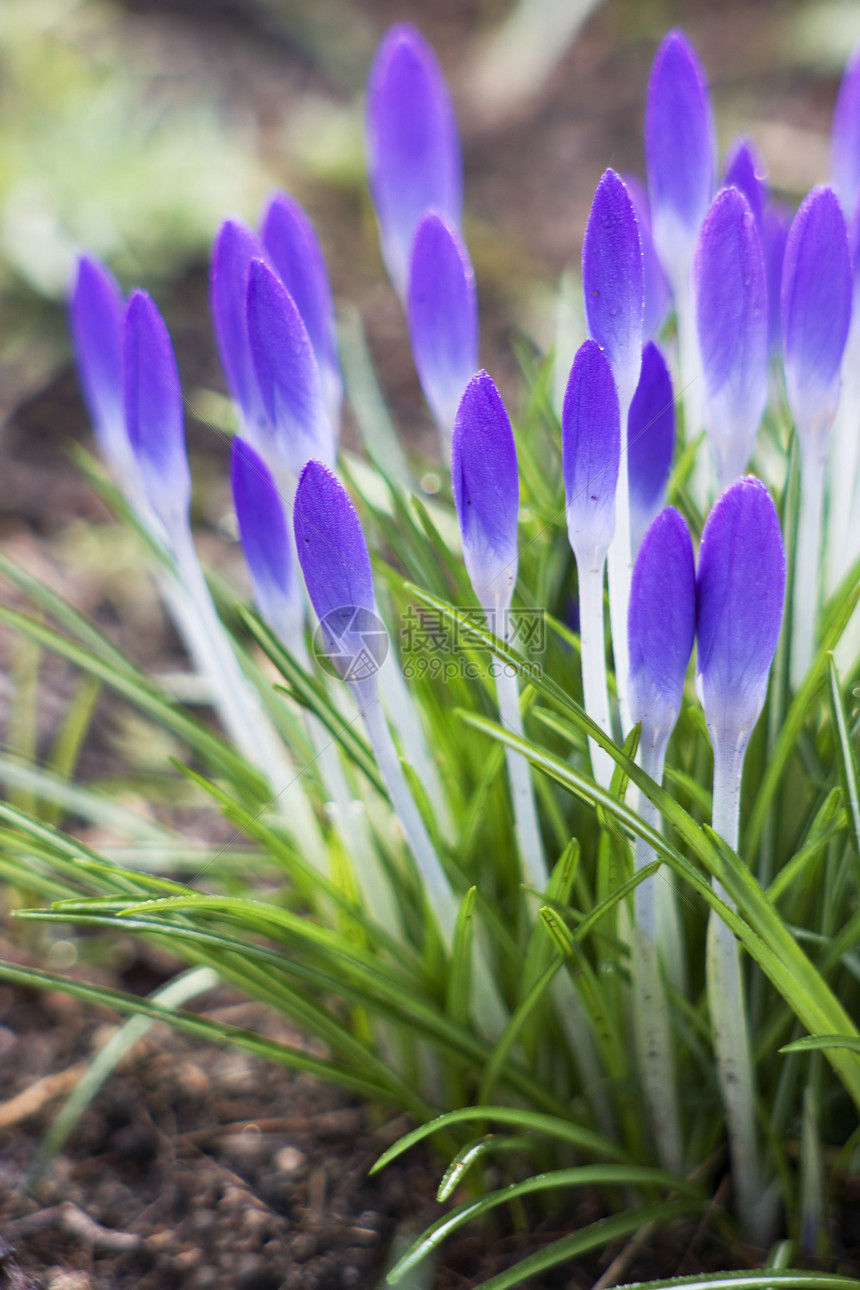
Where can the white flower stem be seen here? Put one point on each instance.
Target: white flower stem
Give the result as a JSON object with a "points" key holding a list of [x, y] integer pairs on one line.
{"points": [[519, 774], [400, 706], [651, 1026], [620, 563], [593, 660], [807, 559]]}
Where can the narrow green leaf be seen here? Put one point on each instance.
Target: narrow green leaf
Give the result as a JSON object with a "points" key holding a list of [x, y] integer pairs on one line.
{"points": [[511, 1032], [847, 759], [457, 994]]}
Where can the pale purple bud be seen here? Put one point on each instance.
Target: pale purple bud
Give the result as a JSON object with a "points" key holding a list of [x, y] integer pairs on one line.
{"points": [[286, 372], [730, 300], [679, 152], [845, 137], [412, 145], [266, 539], [661, 624], [658, 294], [296, 256], [745, 170], [740, 591], [590, 444], [234, 249], [486, 492], [153, 412], [775, 224], [650, 441], [613, 282], [443, 316], [97, 309], [816, 310]]}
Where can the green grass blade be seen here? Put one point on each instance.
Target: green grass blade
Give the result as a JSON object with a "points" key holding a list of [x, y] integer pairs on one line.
{"points": [[457, 993], [847, 759]]}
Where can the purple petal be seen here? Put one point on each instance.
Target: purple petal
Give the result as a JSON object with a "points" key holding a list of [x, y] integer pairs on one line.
{"points": [[613, 281], [816, 310], [679, 150], [845, 136], [661, 623], [153, 411], [740, 592], [745, 170], [97, 309], [286, 371], [412, 144], [775, 224], [591, 444], [443, 316], [730, 300], [650, 440], [266, 539], [486, 491], [296, 256], [235, 247], [658, 294]]}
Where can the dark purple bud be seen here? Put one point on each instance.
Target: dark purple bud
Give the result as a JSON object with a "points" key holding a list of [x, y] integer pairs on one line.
{"points": [[266, 539], [730, 300], [412, 145], [286, 371], [613, 282], [486, 492], [97, 310], [650, 441], [679, 151], [296, 256], [661, 624], [816, 310], [235, 247], [590, 444], [658, 294], [443, 316], [153, 411], [845, 137], [745, 170], [775, 224], [740, 591]]}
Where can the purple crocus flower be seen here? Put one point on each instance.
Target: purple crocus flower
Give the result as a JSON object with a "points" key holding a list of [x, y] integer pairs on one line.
{"points": [[740, 592], [730, 299], [235, 247], [153, 413], [486, 493], [286, 372], [266, 541], [97, 309], [613, 282], [845, 137], [443, 317], [745, 170], [679, 151], [296, 256], [650, 441], [657, 292], [412, 143], [591, 440], [816, 310]]}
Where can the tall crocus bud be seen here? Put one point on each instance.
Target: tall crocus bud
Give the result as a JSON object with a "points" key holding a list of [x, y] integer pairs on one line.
{"points": [[745, 170], [412, 144], [845, 137], [153, 413], [97, 309], [296, 256], [442, 306], [235, 247], [679, 152], [656, 288], [486, 494], [612, 282], [266, 542], [730, 300], [286, 372], [650, 441]]}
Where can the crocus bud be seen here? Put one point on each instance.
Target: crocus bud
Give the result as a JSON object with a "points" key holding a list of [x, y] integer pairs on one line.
{"points": [[153, 412], [679, 151], [296, 256], [443, 316], [412, 145], [661, 624], [286, 372], [845, 137], [266, 540], [740, 591], [486, 493], [730, 300], [235, 247], [590, 443], [745, 171], [97, 318], [335, 563], [650, 441], [816, 310], [613, 282], [656, 288]]}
